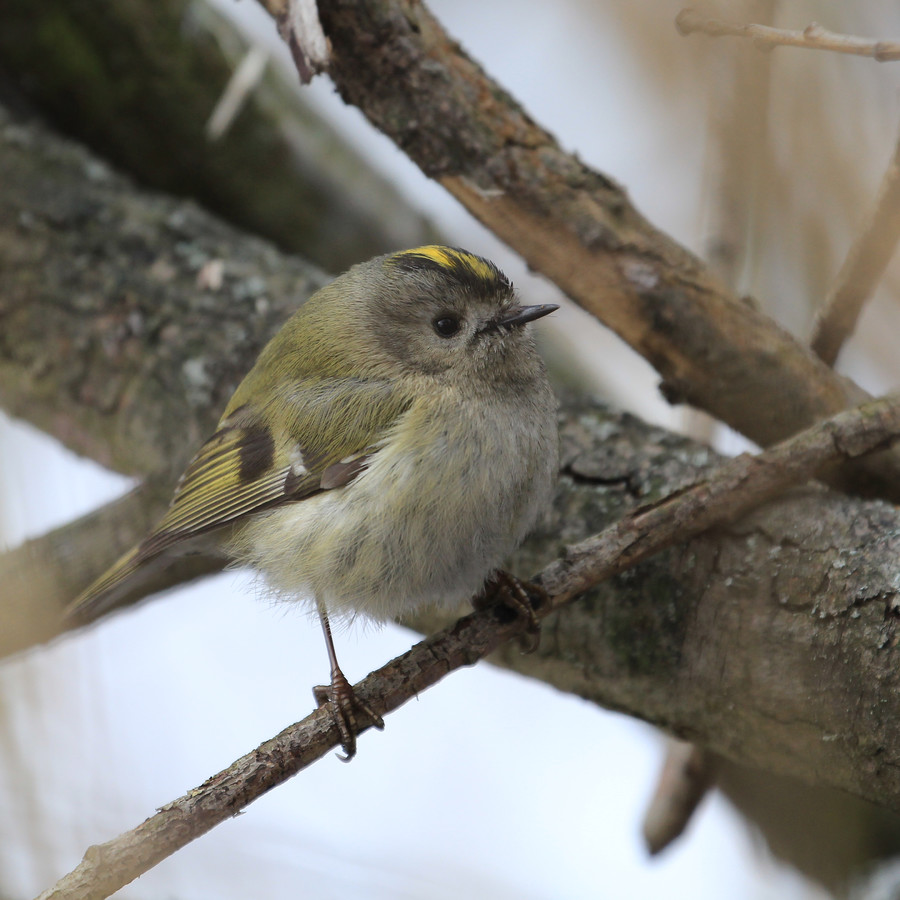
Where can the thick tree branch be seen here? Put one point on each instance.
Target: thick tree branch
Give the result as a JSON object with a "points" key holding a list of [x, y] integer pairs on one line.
{"points": [[108, 331], [729, 491], [714, 350]]}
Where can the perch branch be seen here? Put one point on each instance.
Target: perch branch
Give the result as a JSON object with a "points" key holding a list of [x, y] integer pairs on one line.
{"points": [[813, 37], [730, 490]]}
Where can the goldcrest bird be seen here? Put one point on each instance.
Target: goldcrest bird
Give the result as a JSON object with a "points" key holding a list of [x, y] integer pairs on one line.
{"points": [[393, 443]]}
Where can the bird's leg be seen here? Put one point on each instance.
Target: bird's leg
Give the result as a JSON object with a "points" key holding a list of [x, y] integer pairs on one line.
{"points": [[516, 595], [345, 705]]}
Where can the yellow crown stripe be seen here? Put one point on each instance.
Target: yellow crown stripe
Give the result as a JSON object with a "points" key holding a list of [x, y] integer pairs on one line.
{"points": [[434, 252], [450, 258]]}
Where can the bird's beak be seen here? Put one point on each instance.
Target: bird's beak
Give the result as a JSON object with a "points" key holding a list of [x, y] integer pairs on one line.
{"points": [[519, 315]]}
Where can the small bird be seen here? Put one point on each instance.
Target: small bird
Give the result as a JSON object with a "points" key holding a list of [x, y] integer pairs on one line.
{"points": [[393, 444]]}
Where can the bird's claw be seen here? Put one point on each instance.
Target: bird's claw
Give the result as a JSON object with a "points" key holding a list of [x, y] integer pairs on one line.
{"points": [[516, 595], [346, 707]]}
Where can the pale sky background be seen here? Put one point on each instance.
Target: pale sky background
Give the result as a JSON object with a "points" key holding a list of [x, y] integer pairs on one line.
{"points": [[488, 786]]}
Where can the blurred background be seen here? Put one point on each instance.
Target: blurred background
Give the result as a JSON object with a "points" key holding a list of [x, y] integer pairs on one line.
{"points": [[766, 164]]}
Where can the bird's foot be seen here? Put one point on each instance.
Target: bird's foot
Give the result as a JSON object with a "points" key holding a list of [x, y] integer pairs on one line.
{"points": [[346, 709], [521, 597]]}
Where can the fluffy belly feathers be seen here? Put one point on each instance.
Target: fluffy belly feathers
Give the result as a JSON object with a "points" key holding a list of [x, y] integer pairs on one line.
{"points": [[418, 527]]}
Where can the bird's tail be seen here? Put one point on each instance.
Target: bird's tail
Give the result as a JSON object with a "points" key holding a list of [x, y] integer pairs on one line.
{"points": [[111, 587], [158, 563]]}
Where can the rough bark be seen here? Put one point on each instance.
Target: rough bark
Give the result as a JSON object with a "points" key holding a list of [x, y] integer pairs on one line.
{"points": [[762, 632], [111, 326]]}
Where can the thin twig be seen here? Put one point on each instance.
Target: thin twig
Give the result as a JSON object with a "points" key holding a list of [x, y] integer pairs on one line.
{"points": [[733, 489], [813, 37], [241, 84], [862, 269], [738, 138]]}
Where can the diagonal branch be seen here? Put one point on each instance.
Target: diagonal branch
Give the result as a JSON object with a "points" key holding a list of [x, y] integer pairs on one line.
{"points": [[862, 269], [713, 349], [731, 490]]}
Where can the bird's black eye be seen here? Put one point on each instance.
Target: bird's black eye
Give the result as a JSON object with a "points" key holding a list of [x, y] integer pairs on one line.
{"points": [[446, 326]]}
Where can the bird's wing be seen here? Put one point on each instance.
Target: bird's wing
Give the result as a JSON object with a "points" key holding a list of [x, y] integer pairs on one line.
{"points": [[247, 467]]}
